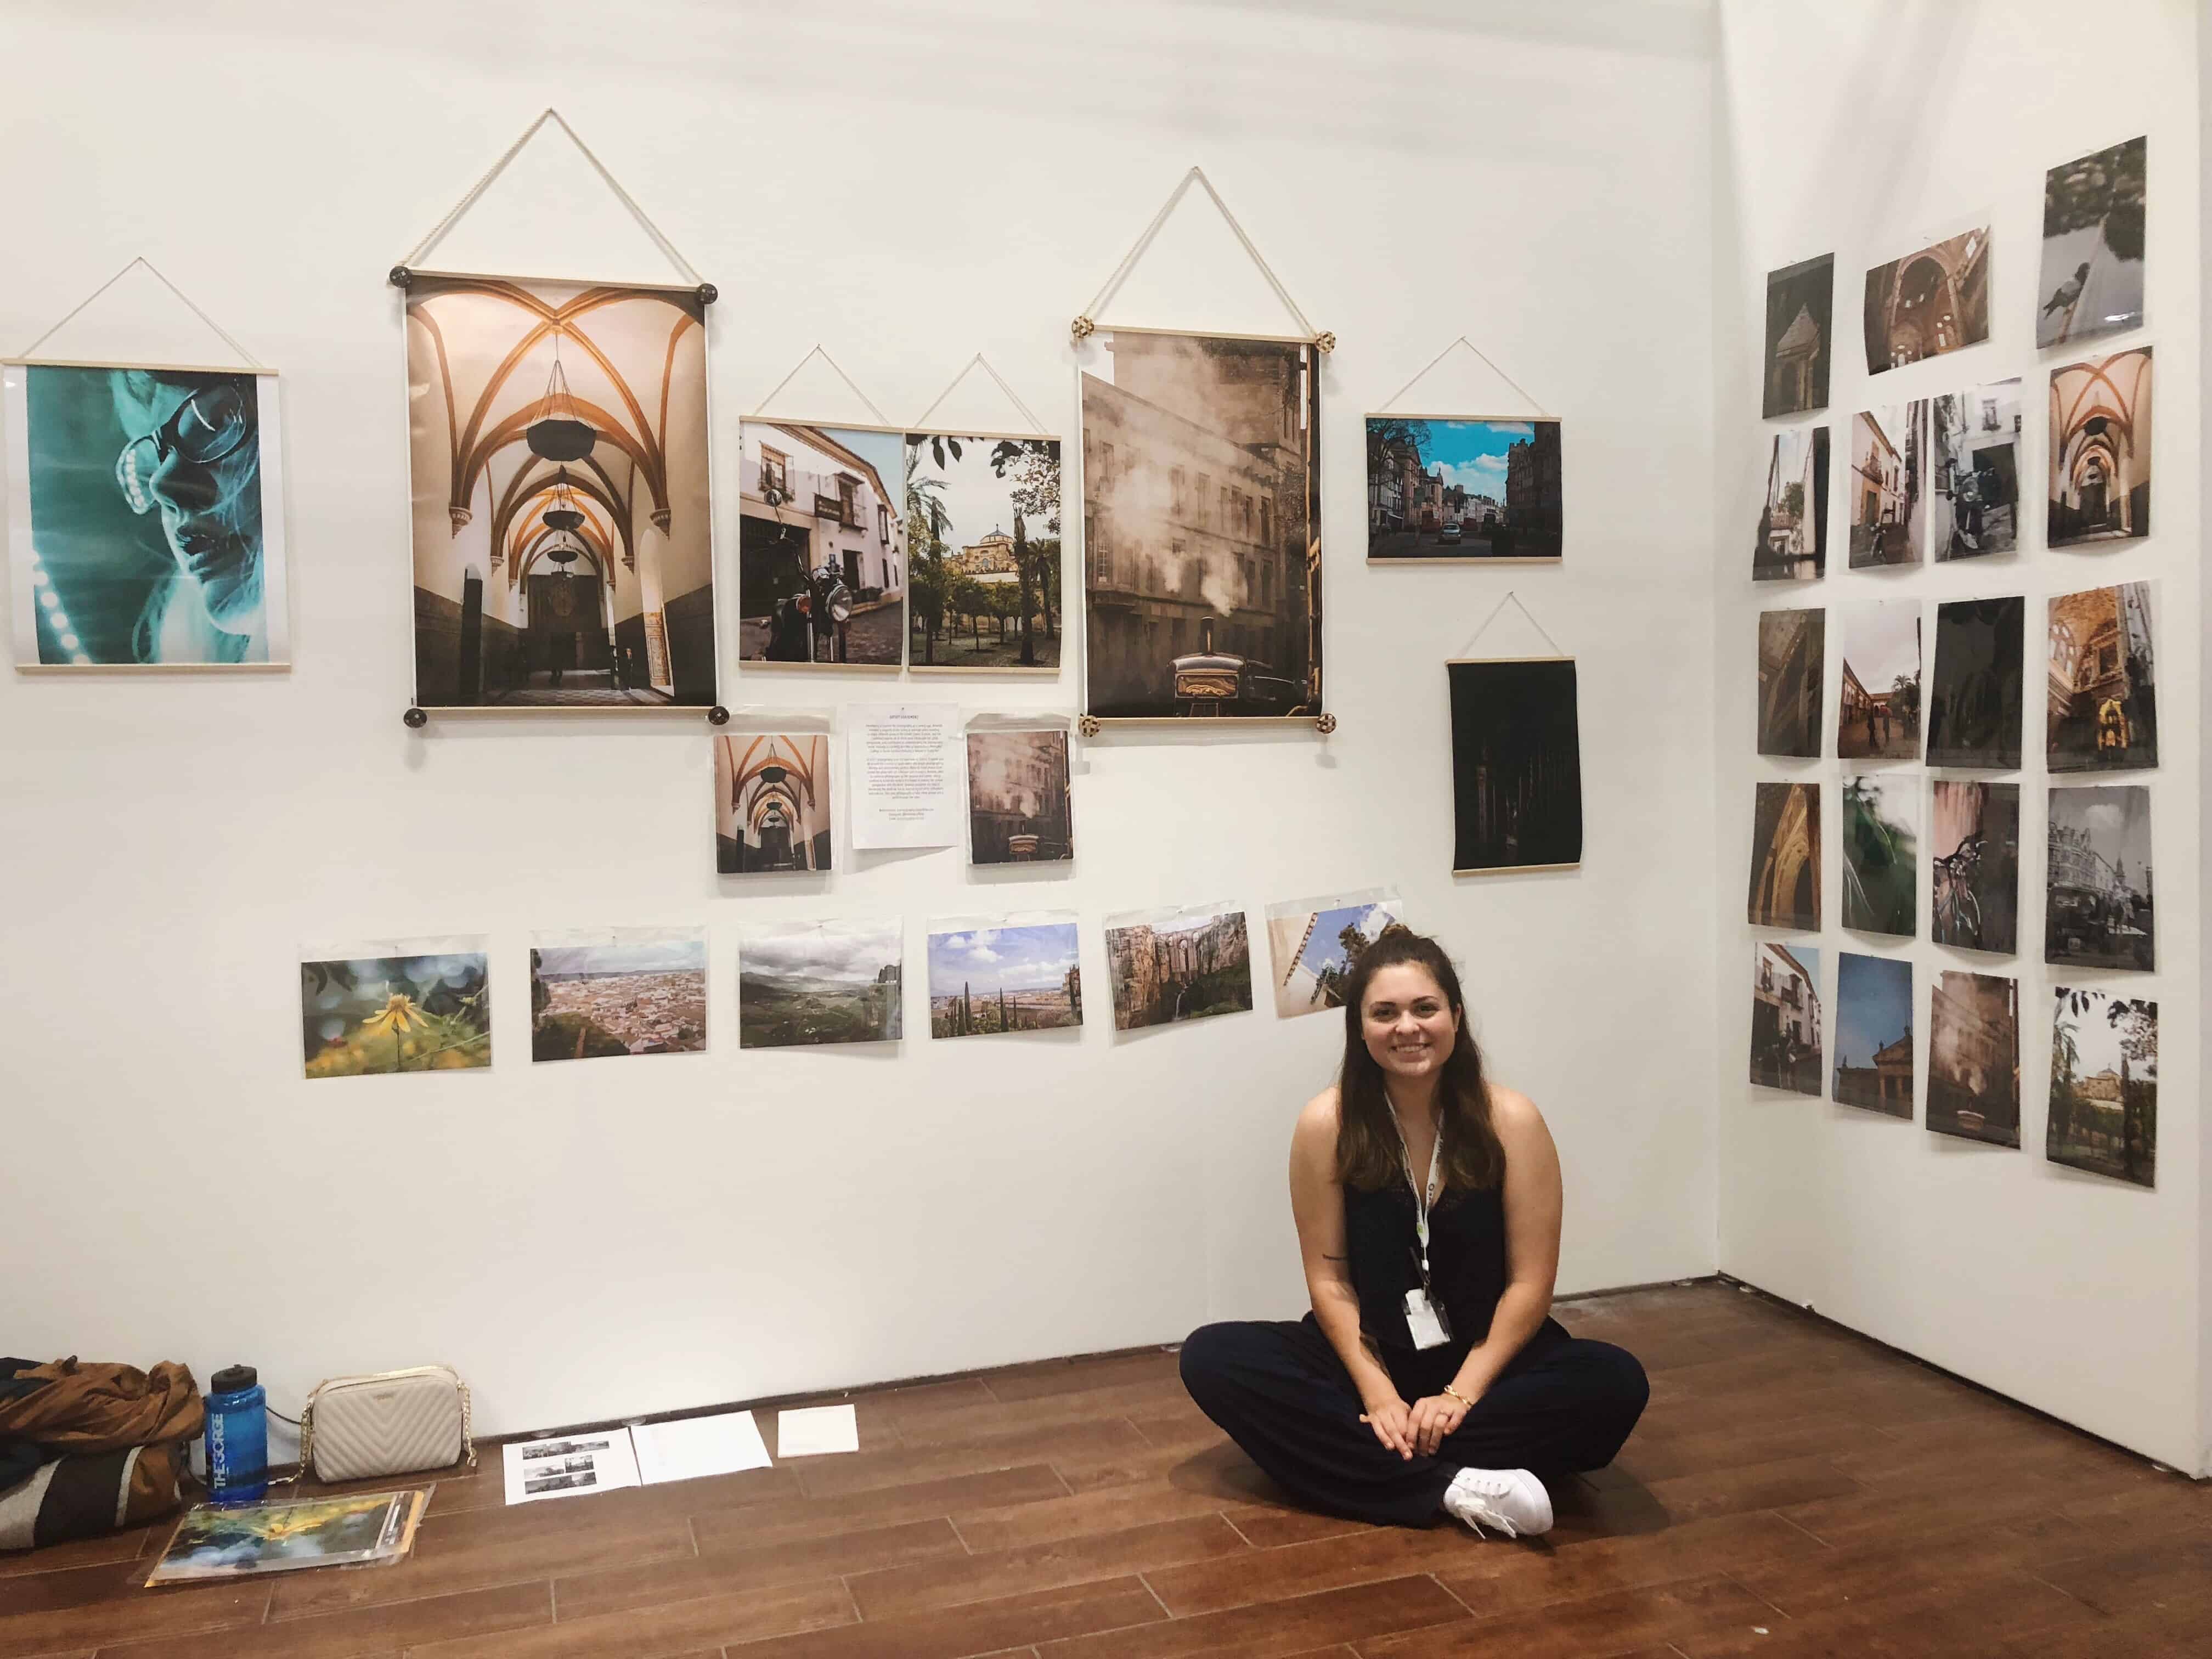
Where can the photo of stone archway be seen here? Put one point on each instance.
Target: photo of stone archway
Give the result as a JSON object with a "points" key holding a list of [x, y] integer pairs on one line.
{"points": [[563, 542], [2100, 450], [1929, 302], [771, 803], [1786, 857]]}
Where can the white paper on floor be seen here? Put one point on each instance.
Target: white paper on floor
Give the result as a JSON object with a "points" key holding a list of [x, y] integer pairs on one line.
{"points": [[813, 1430], [691, 1447], [570, 1465]]}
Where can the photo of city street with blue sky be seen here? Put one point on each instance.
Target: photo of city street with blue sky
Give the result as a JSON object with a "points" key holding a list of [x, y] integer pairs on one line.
{"points": [[1462, 490]]}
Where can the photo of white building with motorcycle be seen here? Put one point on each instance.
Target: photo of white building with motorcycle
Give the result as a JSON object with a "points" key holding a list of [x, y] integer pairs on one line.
{"points": [[822, 548]]}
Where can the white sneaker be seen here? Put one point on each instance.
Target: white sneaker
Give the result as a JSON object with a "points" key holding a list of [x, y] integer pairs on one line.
{"points": [[1510, 1501]]}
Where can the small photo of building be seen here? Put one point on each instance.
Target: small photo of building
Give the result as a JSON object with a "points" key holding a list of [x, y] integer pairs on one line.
{"points": [[2099, 910], [1792, 663], [1973, 1058], [1889, 484], [1451, 490], [1974, 902], [1882, 853], [2100, 450], [771, 803], [1974, 716], [1792, 541], [2104, 1086], [1974, 441], [1800, 307], [1020, 977], [983, 528], [2103, 710], [1934, 301], [822, 544], [1201, 539], [2091, 281], [1878, 710], [1173, 965], [1018, 797], [1874, 1033], [1785, 1019], [1786, 857], [1315, 946]]}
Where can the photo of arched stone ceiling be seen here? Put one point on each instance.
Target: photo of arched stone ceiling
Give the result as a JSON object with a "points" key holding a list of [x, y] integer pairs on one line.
{"points": [[2100, 449], [563, 530]]}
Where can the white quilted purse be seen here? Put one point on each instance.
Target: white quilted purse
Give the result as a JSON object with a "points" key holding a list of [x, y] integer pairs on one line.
{"points": [[356, 1428]]}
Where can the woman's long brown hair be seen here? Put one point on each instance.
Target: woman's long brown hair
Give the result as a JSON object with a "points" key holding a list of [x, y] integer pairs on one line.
{"points": [[1369, 1154]]}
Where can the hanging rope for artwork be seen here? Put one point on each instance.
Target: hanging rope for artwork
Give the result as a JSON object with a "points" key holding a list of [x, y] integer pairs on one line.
{"points": [[252, 363], [403, 272], [921, 421], [1536, 410], [1086, 322], [1516, 757], [1497, 610], [851, 385]]}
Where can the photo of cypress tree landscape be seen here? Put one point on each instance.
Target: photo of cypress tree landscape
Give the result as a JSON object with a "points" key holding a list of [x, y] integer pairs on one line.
{"points": [[1019, 977]]}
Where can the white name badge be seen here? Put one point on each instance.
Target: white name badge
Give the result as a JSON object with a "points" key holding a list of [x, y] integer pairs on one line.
{"points": [[1425, 1321]]}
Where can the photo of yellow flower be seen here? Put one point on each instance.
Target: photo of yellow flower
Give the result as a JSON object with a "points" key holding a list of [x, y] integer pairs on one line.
{"points": [[421, 1009]]}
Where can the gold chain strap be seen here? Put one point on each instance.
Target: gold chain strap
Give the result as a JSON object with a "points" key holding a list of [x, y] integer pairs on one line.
{"points": [[468, 1431]]}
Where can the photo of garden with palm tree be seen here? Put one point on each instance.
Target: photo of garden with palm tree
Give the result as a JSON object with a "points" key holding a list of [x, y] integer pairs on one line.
{"points": [[2104, 1086], [983, 539], [430, 1012]]}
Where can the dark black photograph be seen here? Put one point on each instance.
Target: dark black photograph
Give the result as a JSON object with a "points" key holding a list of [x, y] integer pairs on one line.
{"points": [[1974, 710], [1517, 765]]}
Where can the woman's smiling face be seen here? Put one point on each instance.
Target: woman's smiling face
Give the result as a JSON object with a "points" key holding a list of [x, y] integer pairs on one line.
{"points": [[1408, 1024]]}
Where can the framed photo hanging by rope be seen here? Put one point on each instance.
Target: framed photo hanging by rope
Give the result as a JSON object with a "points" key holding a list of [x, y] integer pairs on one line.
{"points": [[1202, 515], [823, 542], [983, 531], [145, 508], [1516, 760], [1463, 488], [563, 535]]}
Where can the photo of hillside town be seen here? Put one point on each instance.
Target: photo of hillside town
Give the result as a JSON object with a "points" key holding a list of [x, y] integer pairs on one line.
{"points": [[1462, 490], [626, 991]]}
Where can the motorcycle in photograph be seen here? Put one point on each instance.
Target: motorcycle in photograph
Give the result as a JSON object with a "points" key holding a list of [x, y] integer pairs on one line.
{"points": [[810, 623]]}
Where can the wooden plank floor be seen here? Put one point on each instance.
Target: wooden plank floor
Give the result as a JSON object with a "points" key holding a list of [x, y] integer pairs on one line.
{"points": [[1792, 1491]]}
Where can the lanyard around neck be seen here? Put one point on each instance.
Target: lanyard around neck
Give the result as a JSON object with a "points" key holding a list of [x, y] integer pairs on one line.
{"points": [[1422, 1200]]}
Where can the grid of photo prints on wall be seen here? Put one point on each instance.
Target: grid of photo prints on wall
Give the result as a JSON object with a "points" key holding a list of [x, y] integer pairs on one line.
{"points": [[1938, 479], [1171, 965], [563, 543], [1021, 974], [1201, 527], [1444, 490], [145, 518], [411, 1006]]}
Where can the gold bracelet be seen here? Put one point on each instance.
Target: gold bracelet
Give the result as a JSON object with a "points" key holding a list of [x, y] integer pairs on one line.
{"points": [[1457, 1395]]}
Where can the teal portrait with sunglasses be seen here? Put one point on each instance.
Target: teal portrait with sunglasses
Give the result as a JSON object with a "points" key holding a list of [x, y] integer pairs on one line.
{"points": [[145, 526]]}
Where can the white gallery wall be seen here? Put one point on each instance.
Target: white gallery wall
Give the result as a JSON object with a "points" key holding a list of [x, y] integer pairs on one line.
{"points": [[1870, 130], [905, 186]]}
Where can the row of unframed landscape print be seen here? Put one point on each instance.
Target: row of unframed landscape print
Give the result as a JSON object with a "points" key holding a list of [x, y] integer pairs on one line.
{"points": [[2103, 1108], [425, 1005]]}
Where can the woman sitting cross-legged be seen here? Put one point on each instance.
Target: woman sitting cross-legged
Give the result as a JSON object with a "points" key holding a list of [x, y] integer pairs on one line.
{"points": [[1430, 1375]]}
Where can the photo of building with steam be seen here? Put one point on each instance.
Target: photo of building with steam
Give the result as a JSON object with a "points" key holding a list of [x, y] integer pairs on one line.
{"points": [[1200, 521]]}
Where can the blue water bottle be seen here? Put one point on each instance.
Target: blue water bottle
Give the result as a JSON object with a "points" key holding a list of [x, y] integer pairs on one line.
{"points": [[237, 1435]]}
